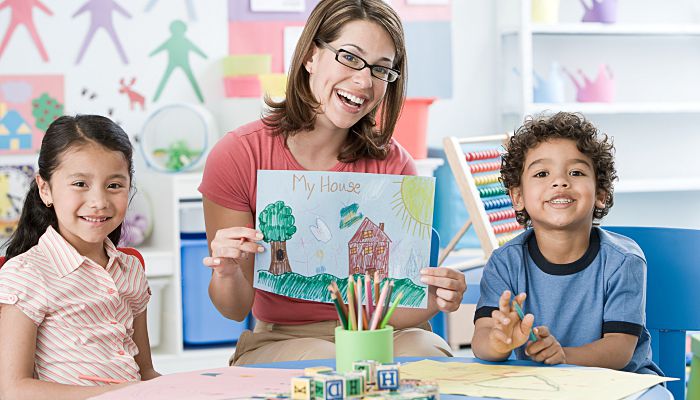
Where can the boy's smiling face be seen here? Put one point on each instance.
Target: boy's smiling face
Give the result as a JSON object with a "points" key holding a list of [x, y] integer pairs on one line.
{"points": [[558, 187]]}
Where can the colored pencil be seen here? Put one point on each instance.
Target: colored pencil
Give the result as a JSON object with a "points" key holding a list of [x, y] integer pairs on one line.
{"points": [[360, 314], [522, 315], [333, 287], [387, 300], [352, 322], [391, 310], [100, 379], [368, 296], [343, 319], [376, 287], [380, 307]]}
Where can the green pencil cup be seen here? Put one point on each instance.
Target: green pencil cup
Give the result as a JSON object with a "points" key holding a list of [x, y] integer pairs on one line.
{"points": [[351, 346]]}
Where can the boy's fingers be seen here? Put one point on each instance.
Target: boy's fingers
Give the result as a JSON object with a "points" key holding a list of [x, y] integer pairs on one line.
{"points": [[541, 331], [499, 317], [521, 298], [504, 302]]}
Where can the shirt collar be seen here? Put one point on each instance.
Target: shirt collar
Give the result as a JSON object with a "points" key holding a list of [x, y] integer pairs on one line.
{"points": [[63, 256]]}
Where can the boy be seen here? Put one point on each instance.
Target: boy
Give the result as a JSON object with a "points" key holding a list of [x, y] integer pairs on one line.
{"points": [[584, 285]]}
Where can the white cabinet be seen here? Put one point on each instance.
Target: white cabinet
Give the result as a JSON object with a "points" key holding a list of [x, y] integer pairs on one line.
{"points": [[653, 54]]}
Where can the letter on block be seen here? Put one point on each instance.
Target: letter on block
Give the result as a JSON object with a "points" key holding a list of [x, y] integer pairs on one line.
{"points": [[301, 388], [388, 377]]}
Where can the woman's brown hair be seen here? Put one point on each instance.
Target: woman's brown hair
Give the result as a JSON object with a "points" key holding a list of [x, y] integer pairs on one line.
{"points": [[297, 112]]}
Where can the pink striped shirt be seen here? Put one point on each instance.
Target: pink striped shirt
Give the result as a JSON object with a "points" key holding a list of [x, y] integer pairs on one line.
{"points": [[84, 313]]}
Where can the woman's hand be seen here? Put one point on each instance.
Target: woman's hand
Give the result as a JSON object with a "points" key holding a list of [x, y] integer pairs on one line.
{"points": [[230, 245], [449, 286]]}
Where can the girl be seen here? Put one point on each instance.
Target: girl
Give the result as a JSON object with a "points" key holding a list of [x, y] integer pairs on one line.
{"points": [[73, 307], [349, 61]]}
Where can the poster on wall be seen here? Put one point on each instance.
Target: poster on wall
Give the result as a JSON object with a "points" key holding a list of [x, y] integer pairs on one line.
{"points": [[28, 105], [14, 183], [320, 227]]}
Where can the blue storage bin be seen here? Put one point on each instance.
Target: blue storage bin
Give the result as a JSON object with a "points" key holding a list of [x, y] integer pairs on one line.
{"points": [[202, 323], [450, 213]]}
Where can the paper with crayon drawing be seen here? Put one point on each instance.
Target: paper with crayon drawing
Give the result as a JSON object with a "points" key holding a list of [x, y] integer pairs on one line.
{"points": [[323, 226], [529, 383]]}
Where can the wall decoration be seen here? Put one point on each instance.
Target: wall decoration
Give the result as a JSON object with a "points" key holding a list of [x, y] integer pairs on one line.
{"points": [[325, 226], [178, 48], [28, 104], [14, 183], [21, 14], [134, 97], [101, 17]]}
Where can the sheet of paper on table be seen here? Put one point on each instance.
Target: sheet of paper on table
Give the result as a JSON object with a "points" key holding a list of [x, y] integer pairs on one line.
{"points": [[529, 383]]}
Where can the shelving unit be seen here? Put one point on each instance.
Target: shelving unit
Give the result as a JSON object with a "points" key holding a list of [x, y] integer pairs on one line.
{"points": [[168, 193], [652, 53]]}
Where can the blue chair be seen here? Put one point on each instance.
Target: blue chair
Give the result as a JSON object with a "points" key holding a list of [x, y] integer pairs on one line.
{"points": [[673, 285], [439, 321]]}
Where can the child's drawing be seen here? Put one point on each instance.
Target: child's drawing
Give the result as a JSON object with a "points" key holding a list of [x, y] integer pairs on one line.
{"points": [[320, 227]]}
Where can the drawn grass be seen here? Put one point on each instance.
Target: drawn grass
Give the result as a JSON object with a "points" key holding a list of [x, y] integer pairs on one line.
{"points": [[315, 287]]}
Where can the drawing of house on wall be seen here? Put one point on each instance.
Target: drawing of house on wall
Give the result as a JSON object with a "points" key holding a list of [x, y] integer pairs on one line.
{"points": [[368, 250], [15, 133]]}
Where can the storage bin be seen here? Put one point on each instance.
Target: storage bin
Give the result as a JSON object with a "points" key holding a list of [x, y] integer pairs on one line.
{"points": [[155, 309], [202, 323], [191, 218]]}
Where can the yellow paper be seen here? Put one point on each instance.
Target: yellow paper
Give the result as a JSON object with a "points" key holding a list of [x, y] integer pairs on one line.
{"points": [[274, 85], [247, 64], [529, 383]]}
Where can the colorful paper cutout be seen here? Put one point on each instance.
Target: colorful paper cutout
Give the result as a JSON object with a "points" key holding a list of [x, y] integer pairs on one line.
{"points": [[21, 14], [101, 17], [277, 6], [291, 38], [134, 97], [274, 85], [247, 64], [424, 12], [242, 86], [323, 226], [259, 38], [17, 92], [178, 48]]}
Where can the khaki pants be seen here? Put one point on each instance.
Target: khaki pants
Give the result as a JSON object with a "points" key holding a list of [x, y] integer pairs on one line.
{"points": [[274, 342]]}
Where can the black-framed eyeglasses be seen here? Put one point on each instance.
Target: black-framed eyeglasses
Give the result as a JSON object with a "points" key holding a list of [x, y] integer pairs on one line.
{"points": [[358, 63]]}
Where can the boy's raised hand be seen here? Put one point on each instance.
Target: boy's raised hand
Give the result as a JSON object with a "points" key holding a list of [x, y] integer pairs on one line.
{"points": [[508, 330], [546, 349]]}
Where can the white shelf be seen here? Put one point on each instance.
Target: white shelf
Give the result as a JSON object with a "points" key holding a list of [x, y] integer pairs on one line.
{"points": [[611, 29], [658, 185], [612, 108]]}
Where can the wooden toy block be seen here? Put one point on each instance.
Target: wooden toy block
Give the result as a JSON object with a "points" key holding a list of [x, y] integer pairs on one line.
{"points": [[301, 388], [388, 377], [312, 371], [329, 387], [368, 368], [354, 384]]}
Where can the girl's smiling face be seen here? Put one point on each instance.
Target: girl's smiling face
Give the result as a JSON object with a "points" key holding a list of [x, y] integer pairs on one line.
{"points": [[346, 95], [90, 194]]}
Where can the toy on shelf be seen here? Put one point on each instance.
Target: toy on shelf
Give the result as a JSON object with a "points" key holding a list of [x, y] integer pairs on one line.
{"points": [[602, 90], [545, 11], [138, 224], [177, 137], [550, 90], [603, 11], [478, 177]]}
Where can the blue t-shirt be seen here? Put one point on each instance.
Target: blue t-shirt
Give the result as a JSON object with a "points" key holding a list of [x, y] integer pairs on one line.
{"points": [[602, 292]]}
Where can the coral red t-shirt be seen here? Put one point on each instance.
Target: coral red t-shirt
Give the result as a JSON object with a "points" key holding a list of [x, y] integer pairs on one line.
{"points": [[230, 180]]}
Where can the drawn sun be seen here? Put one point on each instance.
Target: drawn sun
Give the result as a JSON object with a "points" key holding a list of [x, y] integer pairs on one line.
{"points": [[413, 204]]}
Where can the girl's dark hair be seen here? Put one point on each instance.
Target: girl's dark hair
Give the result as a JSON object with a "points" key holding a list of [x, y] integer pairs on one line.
{"points": [[561, 125], [297, 112], [64, 134]]}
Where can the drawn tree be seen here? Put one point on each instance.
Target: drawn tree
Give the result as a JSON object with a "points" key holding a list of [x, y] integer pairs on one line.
{"points": [[277, 226]]}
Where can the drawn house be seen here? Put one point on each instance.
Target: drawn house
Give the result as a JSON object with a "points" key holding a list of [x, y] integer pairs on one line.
{"points": [[368, 250], [15, 133]]}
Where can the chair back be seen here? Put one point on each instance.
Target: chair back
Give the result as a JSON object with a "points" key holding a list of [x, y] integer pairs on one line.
{"points": [[673, 283], [126, 250]]}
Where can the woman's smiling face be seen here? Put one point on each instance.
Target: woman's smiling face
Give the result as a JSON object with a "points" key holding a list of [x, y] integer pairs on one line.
{"points": [[346, 95]]}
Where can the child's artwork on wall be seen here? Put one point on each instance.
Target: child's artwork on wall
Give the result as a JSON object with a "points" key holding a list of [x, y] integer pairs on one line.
{"points": [[320, 227], [28, 105], [101, 17], [14, 181], [21, 13]]}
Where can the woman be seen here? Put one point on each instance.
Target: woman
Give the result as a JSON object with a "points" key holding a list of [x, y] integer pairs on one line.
{"points": [[349, 60]]}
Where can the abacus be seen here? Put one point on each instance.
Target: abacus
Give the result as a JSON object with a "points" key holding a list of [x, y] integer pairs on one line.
{"points": [[490, 209]]}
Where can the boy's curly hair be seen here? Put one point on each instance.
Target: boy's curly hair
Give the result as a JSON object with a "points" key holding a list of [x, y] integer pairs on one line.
{"points": [[562, 125]]}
